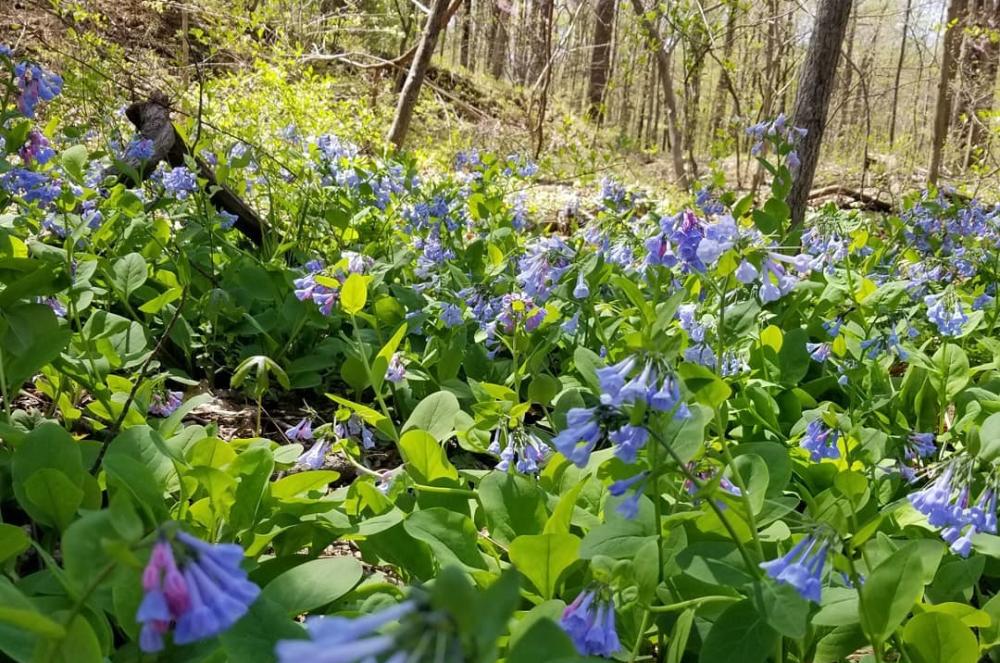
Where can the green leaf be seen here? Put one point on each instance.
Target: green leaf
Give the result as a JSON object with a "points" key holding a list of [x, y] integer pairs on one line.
{"points": [[314, 584], [156, 304], [562, 515], [952, 367], [679, 637], [706, 387], [543, 641], [936, 637], [425, 459], [782, 607], [80, 645], [254, 467], [31, 621], [793, 357], [435, 414], [74, 161], [252, 638], [302, 482], [842, 641], [542, 558], [354, 294], [451, 536], [989, 438], [31, 338], [131, 272], [139, 481], [384, 356], [513, 505], [53, 496], [47, 447], [739, 635], [890, 591], [618, 539], [13, 541]]}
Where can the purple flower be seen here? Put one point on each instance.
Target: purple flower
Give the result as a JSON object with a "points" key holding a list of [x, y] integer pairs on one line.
{"points": [[820, 441], [202, 598], [628, 441], [581, 290], [451, 315], [315, 457], [580, 437], [949, 320], [590, 623], [300, 432], [36, 149], [35, 84], [140, 149], [629, 507], [746, 273], [801, 568], [396, 371], [227, 220], [163, 403], [344, 640], [921, 445], [819, 351], [180, 182]]}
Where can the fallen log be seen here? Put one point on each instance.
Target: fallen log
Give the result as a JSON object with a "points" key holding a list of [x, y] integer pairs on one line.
{"points": [[870, 202], [152, 120]]}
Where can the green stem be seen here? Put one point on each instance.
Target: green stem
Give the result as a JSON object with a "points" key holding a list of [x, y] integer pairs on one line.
{"points": [[444, 490], [3, 387], [371, 380], [640, 637], [694, 603]]}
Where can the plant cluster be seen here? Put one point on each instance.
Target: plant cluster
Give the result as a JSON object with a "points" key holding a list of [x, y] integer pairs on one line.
{"points": [[676, 433]]}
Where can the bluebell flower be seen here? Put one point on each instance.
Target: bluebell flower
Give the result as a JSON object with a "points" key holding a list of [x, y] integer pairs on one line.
{"points": [[300, 432], [202, 597], [590, 623], [315, 457], [921, 445], [629, 507], [793, 162], [629, 440], [570, 326], [580, 437], [34, 84], [164, 402], [581, 290], [344, 640], [611, 379], [36, 149], [746, 273], [819, 351], [949, 320], [140, 149], [832, 327], [227, 220], [801, 568], [820, 441], [395, 372], [451, 315], [180, 182], [981, 302]]}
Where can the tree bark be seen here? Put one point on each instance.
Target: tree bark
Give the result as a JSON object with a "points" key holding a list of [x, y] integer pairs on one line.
{"points": [[465, 47], [498, 38], [600, 62], [952, 39], [663, 61], [719, 104], [415, 79], [899, 72], [813, 97]]}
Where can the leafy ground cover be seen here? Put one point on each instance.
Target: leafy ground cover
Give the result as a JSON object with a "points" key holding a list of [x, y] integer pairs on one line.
{"points": [[654, 432]]}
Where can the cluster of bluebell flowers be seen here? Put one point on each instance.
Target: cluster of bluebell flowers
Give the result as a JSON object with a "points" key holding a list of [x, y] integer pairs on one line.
{"points": [[200, 596], [946, 501]]}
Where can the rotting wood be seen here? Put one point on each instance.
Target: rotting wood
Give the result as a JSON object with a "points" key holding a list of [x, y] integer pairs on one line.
{"points": [[152, 120]]}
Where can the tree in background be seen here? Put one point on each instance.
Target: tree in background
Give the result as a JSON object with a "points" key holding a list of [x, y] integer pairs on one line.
{"points": [[600, 63], [813, 98]]}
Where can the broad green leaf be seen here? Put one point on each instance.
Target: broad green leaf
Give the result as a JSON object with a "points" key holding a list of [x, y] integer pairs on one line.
{"points": [[74, 161], [13, 541], [435, 414], [936, 637], [890, 591], [131, 272], [303, 482], [30, 337], [354, 294], [252, 639], [425, 459], [53, 496], [513, 505], [739, 635], [314, 584], [542, 558], [679, 637], [451, 536], [543, 641]]}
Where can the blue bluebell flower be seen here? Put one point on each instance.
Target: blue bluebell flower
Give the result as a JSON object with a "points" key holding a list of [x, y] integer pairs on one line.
{"points": [[139, 148], [581, 435], [949, 320], [819, 351], [820, 441], [164, 402], [180, 182], [629, 507], [570, 326], [746, 273], [202, 597], [315, 457], [629, 440], [590, 623], [921, 445], [227, 220], [451, 315], [34, 84], [300, 432], [801, 568], [395, 372], [581, 290], [344, 640]]}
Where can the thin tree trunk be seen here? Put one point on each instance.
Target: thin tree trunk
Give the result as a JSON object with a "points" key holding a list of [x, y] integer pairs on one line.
{"points": [[813, 97], [952, 36], [664, 64], [465, 51], [600, 62], [498, 38], [415, 79], [719, 104], [899, 73]]}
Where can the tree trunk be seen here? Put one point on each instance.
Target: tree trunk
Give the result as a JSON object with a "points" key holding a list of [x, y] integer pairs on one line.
{"points": [[465, 47], [600, 61], [498, 38], [848, 74], [952, 38], [979, 75], [664, 64], [899, 72], [719, 104], [813, 97], [415, 79]]}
